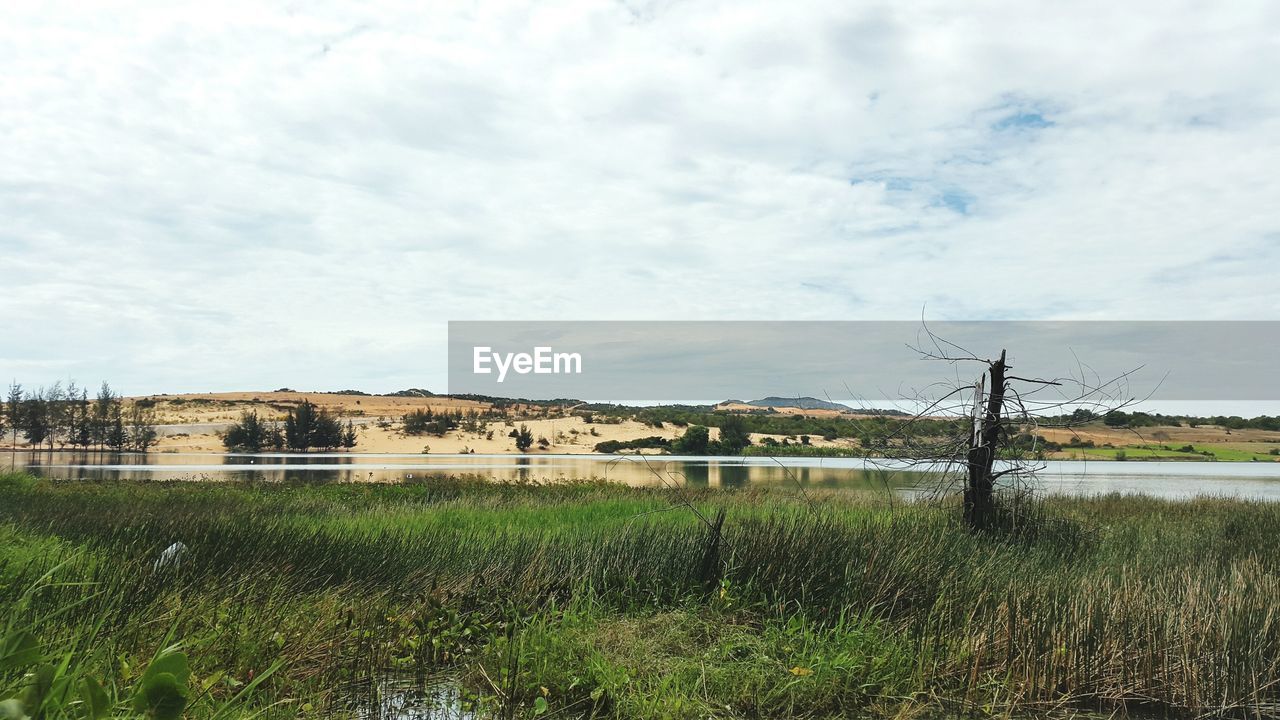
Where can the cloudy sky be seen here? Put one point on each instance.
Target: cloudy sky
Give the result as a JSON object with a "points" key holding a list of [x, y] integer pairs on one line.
{"points": [[214, 196]]}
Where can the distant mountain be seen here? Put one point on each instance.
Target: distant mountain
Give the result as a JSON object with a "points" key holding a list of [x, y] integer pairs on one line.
{"points": [[804, 403]]}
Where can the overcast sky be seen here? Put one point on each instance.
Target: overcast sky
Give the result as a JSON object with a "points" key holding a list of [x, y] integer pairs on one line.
{"points": [[216, 196]]}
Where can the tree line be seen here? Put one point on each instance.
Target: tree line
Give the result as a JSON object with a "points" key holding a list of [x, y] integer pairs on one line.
{"points": [[1119, 418], [734, 439], [306, 427], [66, 417]]}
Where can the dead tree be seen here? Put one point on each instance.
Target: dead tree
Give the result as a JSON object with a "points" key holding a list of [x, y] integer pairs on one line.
{"points": [[979, 491], [964, 433]]}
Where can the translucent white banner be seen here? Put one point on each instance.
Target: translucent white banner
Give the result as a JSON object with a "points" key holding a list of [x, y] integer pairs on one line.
{"points": [[867, 361]]}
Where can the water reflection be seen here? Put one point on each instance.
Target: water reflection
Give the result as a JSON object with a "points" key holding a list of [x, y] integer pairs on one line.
{"points": [[1167, 479], [404, 698]]}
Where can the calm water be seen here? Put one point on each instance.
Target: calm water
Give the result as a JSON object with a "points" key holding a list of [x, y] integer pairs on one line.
{"points": [[397, 697], [1165, 479]]}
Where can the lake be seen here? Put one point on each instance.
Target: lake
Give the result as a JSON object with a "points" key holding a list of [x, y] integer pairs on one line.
{"points": [[1163, 479]]}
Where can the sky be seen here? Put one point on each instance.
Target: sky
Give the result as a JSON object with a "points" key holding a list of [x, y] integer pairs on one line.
{"points": [[249, 195]]}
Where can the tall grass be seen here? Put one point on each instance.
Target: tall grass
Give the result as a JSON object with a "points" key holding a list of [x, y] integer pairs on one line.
{"points": [[1128, 601]]}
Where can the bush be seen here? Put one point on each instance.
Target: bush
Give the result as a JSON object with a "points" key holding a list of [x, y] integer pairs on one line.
{"points": [[309, 426], [652, 442], [251, 434], [733, 435], [421, 422], [523, 437], [694, 441]]}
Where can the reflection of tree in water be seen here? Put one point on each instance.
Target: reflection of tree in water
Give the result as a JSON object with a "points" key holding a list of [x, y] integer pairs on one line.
{"points": [[801, 475], [342, 467], [733, 475], [697, 474]]}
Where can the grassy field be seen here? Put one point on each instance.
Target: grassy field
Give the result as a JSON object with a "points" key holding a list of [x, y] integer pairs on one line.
{"points": [[1188, 452], [588, 599]]}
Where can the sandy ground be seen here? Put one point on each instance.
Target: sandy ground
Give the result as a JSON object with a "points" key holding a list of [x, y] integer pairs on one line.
{"points": [[206, 413], [565, 435], [227, 407]]}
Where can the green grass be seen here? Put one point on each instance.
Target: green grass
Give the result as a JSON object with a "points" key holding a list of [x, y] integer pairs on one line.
{"points": [[597, 599], [1200, 452]]}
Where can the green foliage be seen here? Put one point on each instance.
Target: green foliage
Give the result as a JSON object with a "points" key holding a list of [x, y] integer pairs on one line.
{"points": [[734, 436], [834, 604], [251, 434], [694, 441], [97, 705], [777, 449], [523, 437], [142, 430], [420, 422], [18, 649], [695, 662], [1116, 418], [653, 442], [66, 417], [308, 426], [162, 692]]}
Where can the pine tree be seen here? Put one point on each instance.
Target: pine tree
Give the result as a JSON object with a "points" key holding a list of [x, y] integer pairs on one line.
{"points": [[250, 434], [35, 418], [101, 422], [14, 407], [310, 427], [81, 427], [524, 438], [142, 426], [117, 436], [55, 414]]}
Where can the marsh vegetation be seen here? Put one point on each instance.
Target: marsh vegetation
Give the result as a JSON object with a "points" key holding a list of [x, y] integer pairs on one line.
{"points": [[591, 599]]}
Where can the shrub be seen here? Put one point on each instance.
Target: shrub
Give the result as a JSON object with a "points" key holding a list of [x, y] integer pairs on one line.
{"points": [[694, 441], [251, 434], [653, 442], [523, 437]]}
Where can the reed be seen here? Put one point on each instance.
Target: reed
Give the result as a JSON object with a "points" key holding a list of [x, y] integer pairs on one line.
{"points": [[817, 604]]}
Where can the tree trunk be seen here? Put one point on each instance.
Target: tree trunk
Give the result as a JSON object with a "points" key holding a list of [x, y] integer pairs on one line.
{"points": [[979, 492]]}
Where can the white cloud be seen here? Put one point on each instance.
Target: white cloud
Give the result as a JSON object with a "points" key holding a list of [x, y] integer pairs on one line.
{"points": [[190, 189]]}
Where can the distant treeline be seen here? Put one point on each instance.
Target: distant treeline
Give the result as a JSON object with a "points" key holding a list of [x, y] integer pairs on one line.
{"points": [[869, 429], [304, 428], [1118, 418], [1122, 419], [65, 417]]}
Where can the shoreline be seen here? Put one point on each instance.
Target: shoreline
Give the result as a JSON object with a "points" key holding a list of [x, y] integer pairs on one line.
{"points": [[760, 457], [195, 424]]}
